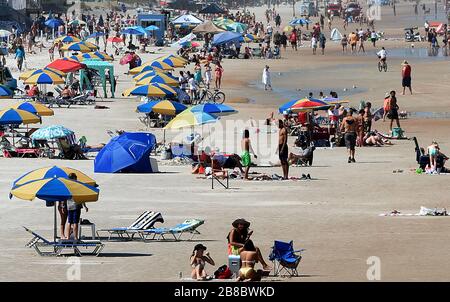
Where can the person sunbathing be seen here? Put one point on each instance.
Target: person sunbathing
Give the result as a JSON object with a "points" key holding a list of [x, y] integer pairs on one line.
{"points": [[198, 262], [373, 138], [249, 258]]}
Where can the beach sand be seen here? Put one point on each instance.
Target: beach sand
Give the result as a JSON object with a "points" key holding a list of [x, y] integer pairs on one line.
{"points": [[334, 216]]}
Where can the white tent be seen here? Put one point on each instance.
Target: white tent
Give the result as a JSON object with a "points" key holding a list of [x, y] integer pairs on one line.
{"points": [[187, 19], [335, 35]]}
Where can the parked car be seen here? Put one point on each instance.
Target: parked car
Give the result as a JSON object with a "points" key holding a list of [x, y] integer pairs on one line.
{"points": [[334, 9]]}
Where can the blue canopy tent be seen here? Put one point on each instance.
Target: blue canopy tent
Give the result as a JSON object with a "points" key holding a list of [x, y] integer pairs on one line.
{"points": [[226, 37], [126, 153]]}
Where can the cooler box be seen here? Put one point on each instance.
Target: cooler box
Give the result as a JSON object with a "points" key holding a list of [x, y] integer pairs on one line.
{"points": [[234, 264], [397, 132]]}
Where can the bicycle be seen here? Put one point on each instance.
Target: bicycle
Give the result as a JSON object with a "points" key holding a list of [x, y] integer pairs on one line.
{"points": [[382, 65], [206, 96]]}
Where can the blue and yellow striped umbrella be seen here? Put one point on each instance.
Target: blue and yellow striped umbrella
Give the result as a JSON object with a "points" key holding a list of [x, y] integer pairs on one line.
{"points": [[56, 189], [51, 172], [150, 73], [159, 78], [17, 117], [77, 46], [171, 61], [159, 65], [67, 39], [144, 68], [154, 90], [103, 55], [31, 73], [188, 118], [250, 38], [5, 92], [45, 77], [34, 108], [214, 109], [165, 107]]}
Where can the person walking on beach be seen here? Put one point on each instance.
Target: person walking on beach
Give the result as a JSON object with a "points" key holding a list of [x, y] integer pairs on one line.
{"points": [[373, 38], [322, 41], [208, 75], [218, 72], [74, 213], [314, 44], [349, 128], [283, 152], [246, 151], [198, 262], [266, 78], [361, 44], [344, 43], [406, 77], [293, 40], [353, 41], [393, 110], [20, 56]]}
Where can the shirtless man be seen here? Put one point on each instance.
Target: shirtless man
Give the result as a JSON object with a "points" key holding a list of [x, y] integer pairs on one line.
{"points": [[246, 150], [349, 128], [283, 151]]}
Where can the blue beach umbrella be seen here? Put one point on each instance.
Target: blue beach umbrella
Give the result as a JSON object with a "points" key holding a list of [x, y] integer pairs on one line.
{"points": [[53, 23], [5, 91], [299, 21], [226, 37], [213, 109], [96, 35], [163, 107], [151, 28], [126, 153], [134, 30]]}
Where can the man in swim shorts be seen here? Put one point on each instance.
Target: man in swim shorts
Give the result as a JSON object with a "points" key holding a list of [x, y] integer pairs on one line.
{"points": [[246, 150], [283, 151]]}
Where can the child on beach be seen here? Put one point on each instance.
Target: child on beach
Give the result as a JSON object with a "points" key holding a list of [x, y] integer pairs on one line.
{"points": [[246, 150]]}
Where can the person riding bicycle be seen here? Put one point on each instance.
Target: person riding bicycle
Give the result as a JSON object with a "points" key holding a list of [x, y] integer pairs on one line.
{"points": [[382, 55]]}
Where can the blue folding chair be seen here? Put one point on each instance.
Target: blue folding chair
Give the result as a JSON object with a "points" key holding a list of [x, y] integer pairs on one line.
{"points": [[284, 258]]}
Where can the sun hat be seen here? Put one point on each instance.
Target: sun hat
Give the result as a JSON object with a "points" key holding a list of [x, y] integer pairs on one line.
{"points": [[387, 95], [239, 221]]}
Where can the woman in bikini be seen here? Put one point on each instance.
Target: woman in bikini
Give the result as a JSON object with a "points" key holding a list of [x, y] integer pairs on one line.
{"points": [[433, 152], [198, 262], [237, 238], [249, 258]]}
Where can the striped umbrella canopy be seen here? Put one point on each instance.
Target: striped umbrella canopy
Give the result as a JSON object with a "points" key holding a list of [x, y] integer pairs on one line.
{"points": [[92, 46], [236, 27], [180, 58], [56, 189], [86, 56], [76, 46], [103, 55], [299, 21], [334, 101], [151, 73], [51, 172], [159, 78], [115, 40], [67, 39], [190, 119], [5, 92], [303, 104], [34, 108], [250, 38], [213, 109], [30, 73], [159, 65], [174, 62], [152, 90], [96, 35], [51, 132], [165, 107], [144, 68], [16, 117], [45, 77]]}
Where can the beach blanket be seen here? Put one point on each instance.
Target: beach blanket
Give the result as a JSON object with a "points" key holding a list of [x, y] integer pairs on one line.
{"points": [[423, 212]]}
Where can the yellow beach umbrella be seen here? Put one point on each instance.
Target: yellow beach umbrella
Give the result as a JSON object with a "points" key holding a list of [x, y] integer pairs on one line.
{"points": [[160, 78], [144, 68], [17, 116], [154, 89], [67, 39], [45, 77], [77, 46], [288, 28], [54, 171], [158, 64], [28, 74], [34, 108], [188, 118]]}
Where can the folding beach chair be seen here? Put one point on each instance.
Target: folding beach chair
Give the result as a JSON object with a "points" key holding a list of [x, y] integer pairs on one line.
{"points": [[56, 248], [284, 258], [144, 222], [188, 226]]}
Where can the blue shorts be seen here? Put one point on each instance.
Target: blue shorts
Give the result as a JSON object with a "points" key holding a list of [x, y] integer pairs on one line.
{"points": [[74, 216]]}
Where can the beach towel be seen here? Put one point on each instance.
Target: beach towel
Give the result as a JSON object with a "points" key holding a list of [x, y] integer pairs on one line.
{"points": [[335, 35]]}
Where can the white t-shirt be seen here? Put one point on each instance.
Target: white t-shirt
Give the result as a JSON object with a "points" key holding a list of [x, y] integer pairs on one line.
{"points": [[382, 53], [192, 84]]}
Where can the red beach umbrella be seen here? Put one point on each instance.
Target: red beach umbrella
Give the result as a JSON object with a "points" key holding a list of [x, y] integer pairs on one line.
{"points": [[66, 65]]}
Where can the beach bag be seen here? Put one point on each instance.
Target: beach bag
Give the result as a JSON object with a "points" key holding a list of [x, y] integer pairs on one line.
{"points": [[223, 272]]}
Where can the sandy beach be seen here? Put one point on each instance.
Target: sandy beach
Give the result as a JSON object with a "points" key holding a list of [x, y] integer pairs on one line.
{"points": [[334, 216]]}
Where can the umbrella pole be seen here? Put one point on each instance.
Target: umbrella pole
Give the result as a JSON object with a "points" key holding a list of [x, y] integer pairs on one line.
{"points": [[164, 136], [54, 222]]}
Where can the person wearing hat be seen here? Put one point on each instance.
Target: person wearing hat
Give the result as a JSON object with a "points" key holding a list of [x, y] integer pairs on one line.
{"points": [[237, 238], [198, 262], [406, 76], [386, 105]]}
